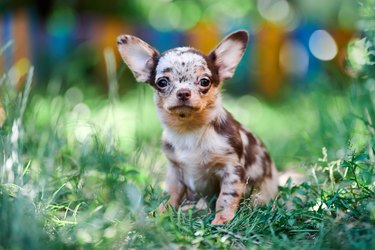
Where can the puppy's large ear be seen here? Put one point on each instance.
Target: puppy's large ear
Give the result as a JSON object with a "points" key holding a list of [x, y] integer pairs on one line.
{"points": [[138, 55], [229, 52]]}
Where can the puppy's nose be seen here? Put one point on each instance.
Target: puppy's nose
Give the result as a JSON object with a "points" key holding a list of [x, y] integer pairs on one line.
{"points": [[183, 94]]}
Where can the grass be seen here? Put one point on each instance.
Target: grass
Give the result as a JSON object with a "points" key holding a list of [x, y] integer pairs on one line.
{"points": [[82, 171]]}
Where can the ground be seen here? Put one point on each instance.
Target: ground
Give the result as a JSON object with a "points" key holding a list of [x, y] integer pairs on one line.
{"points": [[83, 171]]}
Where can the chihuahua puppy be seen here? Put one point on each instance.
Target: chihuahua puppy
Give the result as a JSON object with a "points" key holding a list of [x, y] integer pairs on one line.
{"points": [[210, 153]]}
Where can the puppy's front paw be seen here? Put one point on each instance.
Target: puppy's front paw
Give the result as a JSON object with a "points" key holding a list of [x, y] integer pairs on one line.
{"points": [[223, 217]]}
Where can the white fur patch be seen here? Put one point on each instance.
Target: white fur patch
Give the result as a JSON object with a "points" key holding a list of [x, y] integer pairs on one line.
{"points": [[244, 139], [229, 54], [183, 62]]}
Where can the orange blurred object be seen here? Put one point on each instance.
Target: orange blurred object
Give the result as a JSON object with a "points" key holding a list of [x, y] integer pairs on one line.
{"points": [[107, 31], [342, 38], [267, 47], [20, 56], [204, 37]]}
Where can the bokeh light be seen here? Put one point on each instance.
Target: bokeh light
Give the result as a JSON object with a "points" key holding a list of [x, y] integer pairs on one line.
{"points": [[177, 15], [18, 70], [294, 58], [274, 10], [322, 45], [191, 14], [165, 18]]}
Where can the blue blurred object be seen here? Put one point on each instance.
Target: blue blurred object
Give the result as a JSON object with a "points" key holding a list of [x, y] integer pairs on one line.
{"points": [[302, 35], [60, 27], [162, 41]]}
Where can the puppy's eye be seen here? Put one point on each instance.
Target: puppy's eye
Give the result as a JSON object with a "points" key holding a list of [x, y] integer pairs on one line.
{"points": [[204, 82], [162, 83]]}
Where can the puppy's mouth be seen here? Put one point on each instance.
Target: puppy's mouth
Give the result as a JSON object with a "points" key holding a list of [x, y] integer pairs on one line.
{"points": [[183, 111]]}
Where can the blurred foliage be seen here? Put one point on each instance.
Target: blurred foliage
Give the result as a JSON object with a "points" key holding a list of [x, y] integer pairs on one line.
{"points": [[180, 14], [361, 51], [65, 39]]}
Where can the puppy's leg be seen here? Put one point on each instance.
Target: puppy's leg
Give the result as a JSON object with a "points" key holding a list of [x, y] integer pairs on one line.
{"points": [[174, 187], [267, 189], [232, 189]]}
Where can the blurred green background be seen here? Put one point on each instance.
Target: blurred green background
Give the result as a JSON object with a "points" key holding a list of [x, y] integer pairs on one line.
{"points": [[80, 158], [292, 42]]}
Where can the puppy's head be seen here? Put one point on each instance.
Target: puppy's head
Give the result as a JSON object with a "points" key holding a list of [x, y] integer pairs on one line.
{"points": [[185, 81]]}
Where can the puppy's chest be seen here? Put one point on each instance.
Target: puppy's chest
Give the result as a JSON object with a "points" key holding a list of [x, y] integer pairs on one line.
{"points": [[196, 150], [199, 158], [199, 168]]}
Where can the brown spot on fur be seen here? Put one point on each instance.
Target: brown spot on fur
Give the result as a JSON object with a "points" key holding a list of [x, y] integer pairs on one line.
{"points": [[249, 157], [205, 91], [152, 63], [122, 40], [241, 36], [240, 172], [233, 182], [251, 137], [225, 175], [214, 70], [234, 194], [182, 78], [250, 149], [267, 158], [168, 146], [230, 128], [174, 163], [267, 164], [211, 58], [167, 70]]}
